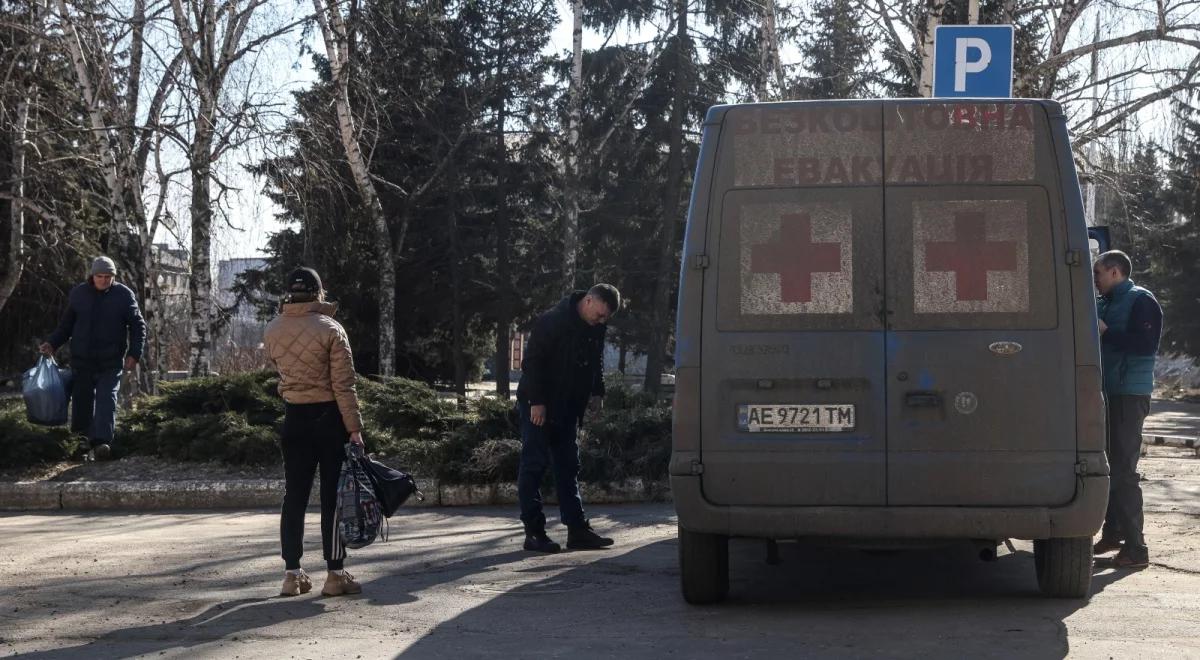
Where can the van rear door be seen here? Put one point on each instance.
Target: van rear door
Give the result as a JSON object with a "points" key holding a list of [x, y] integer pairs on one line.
{"points": [[980, 348], [792, 378]]}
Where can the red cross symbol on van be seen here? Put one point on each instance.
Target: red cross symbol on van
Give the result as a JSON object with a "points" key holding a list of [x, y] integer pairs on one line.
{"points": [[795, 257], [970, 256]]}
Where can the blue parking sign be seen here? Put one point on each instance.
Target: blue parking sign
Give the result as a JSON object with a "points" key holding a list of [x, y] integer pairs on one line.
{"points": [[973, 60]]}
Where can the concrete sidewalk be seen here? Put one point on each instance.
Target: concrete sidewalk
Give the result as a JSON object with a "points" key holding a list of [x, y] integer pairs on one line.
{"points": [[454, 583]]}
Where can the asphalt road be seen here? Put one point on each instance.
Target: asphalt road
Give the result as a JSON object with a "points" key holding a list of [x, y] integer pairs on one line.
{"points": [[454, 583]]}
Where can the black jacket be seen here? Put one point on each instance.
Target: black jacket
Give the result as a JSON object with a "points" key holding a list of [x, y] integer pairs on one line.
{"points": [[563, 365], [103, 326]]}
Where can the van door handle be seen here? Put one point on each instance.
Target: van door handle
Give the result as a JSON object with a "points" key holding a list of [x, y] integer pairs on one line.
{"points": [[923, 399]]}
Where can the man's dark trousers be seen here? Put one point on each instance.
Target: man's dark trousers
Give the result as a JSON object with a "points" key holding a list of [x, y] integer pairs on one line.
{"points": [[1124, 519], [541, 446], [94, 403]]}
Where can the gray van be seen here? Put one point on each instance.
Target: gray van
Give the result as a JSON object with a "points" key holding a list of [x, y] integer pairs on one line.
{"points": [[887, 335]]}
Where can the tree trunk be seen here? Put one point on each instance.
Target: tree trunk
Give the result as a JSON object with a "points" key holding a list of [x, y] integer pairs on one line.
{"points": [[571, 187], [112, 132], [457, 328], [16, 243], [161, 360], [504, 297], [336, 35], [932, 20], [16, 235], [769, 63], [661, 306], [200, 282], [150, 366]]}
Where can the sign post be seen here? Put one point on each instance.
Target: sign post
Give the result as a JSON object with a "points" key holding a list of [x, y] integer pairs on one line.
{"points": [[974, 61]]}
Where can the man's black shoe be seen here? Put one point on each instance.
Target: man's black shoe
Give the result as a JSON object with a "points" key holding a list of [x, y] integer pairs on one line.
{"points": [[1105, 546], [102, 452], [583, 538], [541, 543]]}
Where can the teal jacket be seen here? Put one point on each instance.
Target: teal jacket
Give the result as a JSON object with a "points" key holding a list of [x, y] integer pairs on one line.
{"points": [[1128, 346]]}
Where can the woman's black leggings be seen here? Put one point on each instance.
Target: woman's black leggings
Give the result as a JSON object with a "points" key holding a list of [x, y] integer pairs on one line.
{"points": [[313, 436]]}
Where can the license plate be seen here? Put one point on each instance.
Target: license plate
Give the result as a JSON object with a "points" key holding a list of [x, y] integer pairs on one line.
{"points": [[796, 418]]}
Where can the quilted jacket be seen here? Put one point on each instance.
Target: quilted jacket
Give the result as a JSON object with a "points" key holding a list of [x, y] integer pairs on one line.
{"points": [[312, 353]]}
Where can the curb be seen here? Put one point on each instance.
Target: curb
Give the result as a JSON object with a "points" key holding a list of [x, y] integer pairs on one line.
{"points": [[1181, 441], [268, 493]]}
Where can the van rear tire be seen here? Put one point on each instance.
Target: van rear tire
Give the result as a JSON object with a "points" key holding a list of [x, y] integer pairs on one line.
{"points": [[1064, 566], [703, 567]]}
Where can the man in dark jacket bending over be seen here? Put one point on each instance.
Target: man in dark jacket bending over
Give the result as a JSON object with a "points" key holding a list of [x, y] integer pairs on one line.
{"points": [[107, 334], [561, 379]]}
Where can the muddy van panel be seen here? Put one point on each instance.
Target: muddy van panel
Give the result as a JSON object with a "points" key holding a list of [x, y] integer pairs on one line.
{"points": [[838, 379], [980, 352], [792, 351]]}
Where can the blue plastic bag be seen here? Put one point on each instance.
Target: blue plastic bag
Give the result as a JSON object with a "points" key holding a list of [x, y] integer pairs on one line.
{"points": [[45, 388]]}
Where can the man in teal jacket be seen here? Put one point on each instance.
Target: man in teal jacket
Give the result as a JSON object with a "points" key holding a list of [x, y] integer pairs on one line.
{"points": [[1130, 326]]}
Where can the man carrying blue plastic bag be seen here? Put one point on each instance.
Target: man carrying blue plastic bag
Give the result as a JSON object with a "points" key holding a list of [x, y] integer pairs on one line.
{"points": [[107, 334]]}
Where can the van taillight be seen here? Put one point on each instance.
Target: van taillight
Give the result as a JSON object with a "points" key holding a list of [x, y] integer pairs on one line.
{"points": [[1089, 409], [685, 413]]}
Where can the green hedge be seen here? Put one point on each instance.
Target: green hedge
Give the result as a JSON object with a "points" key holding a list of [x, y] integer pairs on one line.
{"points": [[23, 444], [236, 419]]}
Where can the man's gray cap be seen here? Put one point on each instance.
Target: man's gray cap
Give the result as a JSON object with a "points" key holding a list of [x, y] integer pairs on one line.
{"points": [[103, 266]]}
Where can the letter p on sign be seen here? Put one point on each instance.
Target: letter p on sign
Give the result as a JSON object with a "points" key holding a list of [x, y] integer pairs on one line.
{"points": [[962, 62], [973, 61]]}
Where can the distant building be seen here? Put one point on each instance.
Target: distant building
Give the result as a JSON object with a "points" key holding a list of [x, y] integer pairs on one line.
{"points": [[244, 332], [172, 273]]}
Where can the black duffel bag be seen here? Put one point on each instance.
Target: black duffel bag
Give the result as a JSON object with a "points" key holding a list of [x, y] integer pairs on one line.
{"points": [[392, 487]]}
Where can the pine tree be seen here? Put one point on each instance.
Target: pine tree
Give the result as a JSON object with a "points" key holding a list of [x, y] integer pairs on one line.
{"points": [[1179, 289], [835, 53], [703, 50]]}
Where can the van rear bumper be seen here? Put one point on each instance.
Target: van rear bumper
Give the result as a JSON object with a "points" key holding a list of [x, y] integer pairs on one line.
{"points": [[1083, 516]]}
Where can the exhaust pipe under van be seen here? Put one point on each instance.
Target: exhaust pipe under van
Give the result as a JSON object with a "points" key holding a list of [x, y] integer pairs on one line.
{"points": [[986, 549]]}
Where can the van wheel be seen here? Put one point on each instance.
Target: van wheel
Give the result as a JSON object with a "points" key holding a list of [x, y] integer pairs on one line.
{"points": [[1064, 566], [703, 566]]}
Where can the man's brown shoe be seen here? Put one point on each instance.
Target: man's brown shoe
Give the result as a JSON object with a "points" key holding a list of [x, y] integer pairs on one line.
{"points": [[1105, 546], [295, 584], [1130, 560], [340, 585]]}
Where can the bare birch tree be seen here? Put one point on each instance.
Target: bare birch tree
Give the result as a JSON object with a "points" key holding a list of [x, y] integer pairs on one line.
{"points": [[770, 63], [660, 306], [214, 40], [27, 81], [338, 36], [122, 133], [933, 18], [571, 186]]}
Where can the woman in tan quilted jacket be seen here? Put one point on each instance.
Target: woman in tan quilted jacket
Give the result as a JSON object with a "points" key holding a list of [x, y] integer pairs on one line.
{"points": [[316, 380]]}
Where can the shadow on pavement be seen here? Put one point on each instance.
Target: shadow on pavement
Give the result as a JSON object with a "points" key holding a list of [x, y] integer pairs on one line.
{"points": [[220, 622], [817, 603]]}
